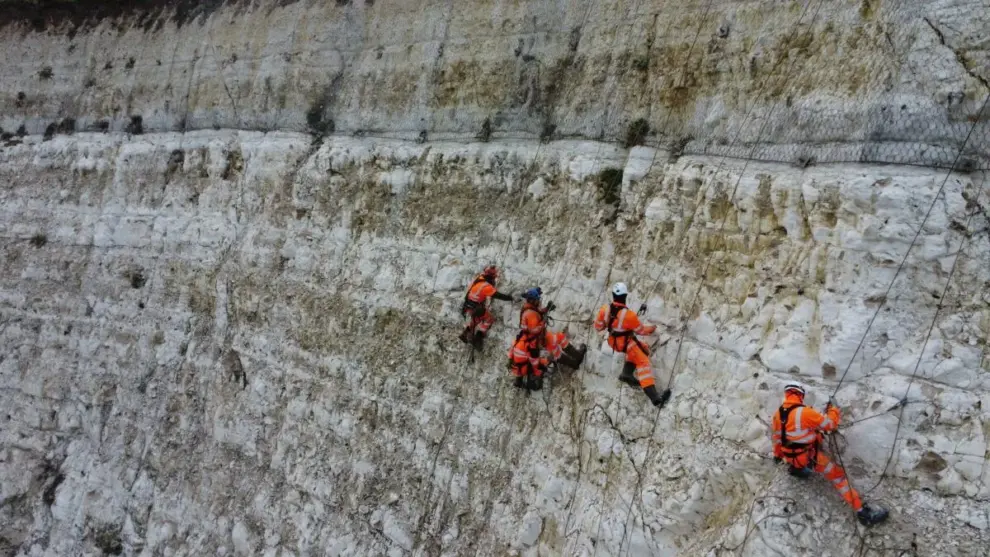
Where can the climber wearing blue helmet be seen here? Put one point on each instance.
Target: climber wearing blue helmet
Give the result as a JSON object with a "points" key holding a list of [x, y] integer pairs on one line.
{"points": [[533, 295], [533, 331]]}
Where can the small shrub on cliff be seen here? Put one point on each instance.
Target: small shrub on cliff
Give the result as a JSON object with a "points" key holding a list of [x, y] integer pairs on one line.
{"points": [[67, 126], [136, 278], [318, 123], [175, 161], [610, 185], [678, 146], [234, 166], [546, 134], [51, 475], [107, 538], [637, 133], [486, 130], [39, 240], [136, 126]]}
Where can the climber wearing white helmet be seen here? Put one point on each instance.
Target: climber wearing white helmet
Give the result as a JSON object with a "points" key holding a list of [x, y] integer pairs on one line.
{"points": [[623, 325], [797, 433], [620, 289]]}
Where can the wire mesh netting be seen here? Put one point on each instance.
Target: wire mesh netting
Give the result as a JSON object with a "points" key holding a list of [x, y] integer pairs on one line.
{"points": [[831, 85], [888, 133]]}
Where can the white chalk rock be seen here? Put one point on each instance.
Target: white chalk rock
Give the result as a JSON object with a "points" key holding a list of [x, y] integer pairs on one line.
{"points": [[241, 538], [532, 527], [395, 530], [950, 483], [537, 188]]}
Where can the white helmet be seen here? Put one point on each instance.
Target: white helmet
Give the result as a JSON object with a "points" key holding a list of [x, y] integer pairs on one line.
{"points": [[620, 289], [795, 387]]}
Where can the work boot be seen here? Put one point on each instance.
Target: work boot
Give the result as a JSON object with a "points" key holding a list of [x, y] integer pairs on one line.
{"points": [[519, 383], [479, 340], [567, 360], [627, 375], [550, 369], [869, 515], [535, 383], [801, 473], [658, 399], [465, 336], [576, 354]]}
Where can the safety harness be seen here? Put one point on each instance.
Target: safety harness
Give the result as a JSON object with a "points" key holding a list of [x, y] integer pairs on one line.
{"points": [[523, 333], [789, 448], [528, 367], [470, 306], [613, 313]]}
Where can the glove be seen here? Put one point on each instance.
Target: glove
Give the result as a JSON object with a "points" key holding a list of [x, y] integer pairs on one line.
{"points": [[777, 460], [551, 306], [642, 309]]}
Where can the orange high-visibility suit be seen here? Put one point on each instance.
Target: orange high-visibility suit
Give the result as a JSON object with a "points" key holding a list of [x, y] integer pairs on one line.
{"points": [[623, 325], [476, 304], [533, 329], [523, 361], [799, 443]]}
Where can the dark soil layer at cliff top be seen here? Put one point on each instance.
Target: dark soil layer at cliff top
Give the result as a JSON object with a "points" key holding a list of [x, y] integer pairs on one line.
{"points": [[69, 16]]}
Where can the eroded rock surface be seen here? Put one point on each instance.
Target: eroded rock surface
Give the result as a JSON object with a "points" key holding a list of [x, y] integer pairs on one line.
{"points": [[242, 340], [793, 81], [286, 372]]}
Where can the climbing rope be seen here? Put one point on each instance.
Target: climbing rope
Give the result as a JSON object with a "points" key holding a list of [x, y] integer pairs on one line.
{"points": [[719, 236], [536, 156], [522, 198], [569, 269], [928, 334], [834, 437], [917, 234], [704, 20], [703, 195], [897, 405], [701, 25], [585, 425], [502, 385], [902, 403], [664, 127], [622, 387]]}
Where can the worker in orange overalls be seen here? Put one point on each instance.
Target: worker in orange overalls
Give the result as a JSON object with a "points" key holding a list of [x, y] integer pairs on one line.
{"points": [[623, 325], [527, 365], [475, 306], [797, 434], [533, 328]]}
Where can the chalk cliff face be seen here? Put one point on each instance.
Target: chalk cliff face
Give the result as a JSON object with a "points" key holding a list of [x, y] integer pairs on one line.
{"points": [[236, 238], [847, 81]]}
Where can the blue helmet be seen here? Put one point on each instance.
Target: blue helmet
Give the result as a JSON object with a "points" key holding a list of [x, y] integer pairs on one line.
{"points": [[533, 294]]}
